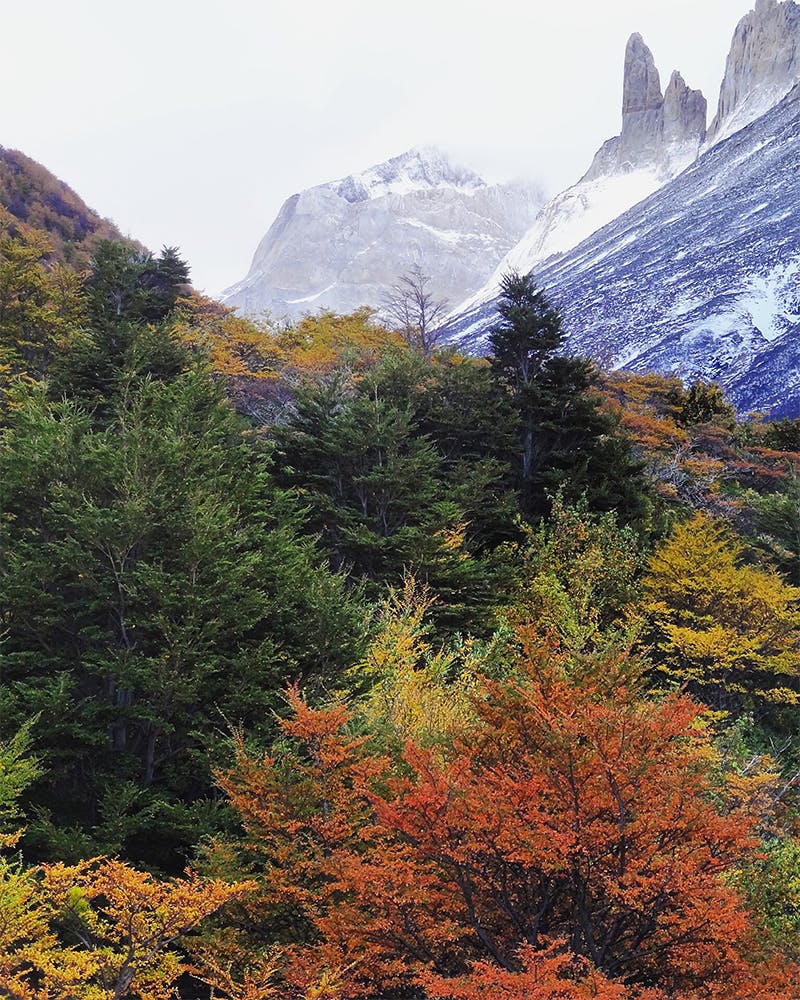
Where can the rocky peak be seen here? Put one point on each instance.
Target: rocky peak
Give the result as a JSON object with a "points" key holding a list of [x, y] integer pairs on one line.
{"points": [[641, 88], [661, 132], [685, 111], [763, 65], [341, 244], [421, 168]]}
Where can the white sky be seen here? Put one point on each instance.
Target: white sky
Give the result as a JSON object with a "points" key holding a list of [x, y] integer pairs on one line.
{"points": [[189, 121]]}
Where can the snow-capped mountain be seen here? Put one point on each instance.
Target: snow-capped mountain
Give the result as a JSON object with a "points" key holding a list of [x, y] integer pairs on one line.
{"points": [[661, 135], [340, 245], [702, 277]]}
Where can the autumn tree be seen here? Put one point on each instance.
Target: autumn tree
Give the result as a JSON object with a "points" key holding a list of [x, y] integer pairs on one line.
{"points": [[726, 630], [99, 930], [570, 834], [42, 307], [576, 576]]}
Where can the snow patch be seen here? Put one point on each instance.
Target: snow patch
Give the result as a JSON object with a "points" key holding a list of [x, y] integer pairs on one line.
{"points": [[310, 298]]}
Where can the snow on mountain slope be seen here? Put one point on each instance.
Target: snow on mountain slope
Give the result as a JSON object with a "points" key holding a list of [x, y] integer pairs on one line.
{"points": [[566, 221], [701, 279], [340, 245], [762, 66], [661, 135]]}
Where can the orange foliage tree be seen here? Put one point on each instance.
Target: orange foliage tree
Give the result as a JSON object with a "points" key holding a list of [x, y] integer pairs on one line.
{"points": [[566, 846], [264, 361]]}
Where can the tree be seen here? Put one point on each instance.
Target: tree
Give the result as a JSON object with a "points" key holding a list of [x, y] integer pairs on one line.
{"points": [[783, 435], [703, 403], [728, 631], [569, 832], [378, 493], [155, 589], [413, 310], [576, 577], [18, 770], [42, 308], [564, 439], [777, 522], [99, 930], [128, 285]]}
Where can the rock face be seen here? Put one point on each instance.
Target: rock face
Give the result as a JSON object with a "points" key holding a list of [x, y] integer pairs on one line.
{"points": [[661, 134], [340, 245], [763, 65], [702, 279], [659, 131]]}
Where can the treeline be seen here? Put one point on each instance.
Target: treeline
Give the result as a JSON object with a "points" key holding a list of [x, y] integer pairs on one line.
{"points": [[443, 675]]}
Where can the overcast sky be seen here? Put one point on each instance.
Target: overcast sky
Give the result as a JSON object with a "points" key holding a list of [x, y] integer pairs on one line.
{"points": [[188, 122]]}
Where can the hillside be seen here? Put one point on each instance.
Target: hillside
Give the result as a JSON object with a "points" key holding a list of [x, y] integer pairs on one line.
{"points": [[36, 197]]}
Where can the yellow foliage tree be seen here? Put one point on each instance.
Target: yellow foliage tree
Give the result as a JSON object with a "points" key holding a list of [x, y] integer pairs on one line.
{"points": [[99, 930], [727, 631], [42, 306], [417, 691], [264, 361]]}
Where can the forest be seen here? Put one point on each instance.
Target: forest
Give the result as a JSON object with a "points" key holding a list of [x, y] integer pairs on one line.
{"points": [[337, 664]]}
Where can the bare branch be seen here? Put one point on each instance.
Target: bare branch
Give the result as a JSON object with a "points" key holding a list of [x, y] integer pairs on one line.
{"points": [[414, 312]]}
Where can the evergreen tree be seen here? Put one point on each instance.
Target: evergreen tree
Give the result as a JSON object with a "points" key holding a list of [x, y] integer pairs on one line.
{"points": [[155, 589], [379, 495], [702, 403], [777, 522], [564, 439], [458, 407], [127, 285], [130, 301]]}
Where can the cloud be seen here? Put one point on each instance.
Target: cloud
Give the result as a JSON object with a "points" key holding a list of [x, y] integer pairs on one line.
{"points": [[190, 122]]}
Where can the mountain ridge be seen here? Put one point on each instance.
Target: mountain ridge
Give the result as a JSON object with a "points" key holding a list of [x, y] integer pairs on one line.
{"points": [[701, 279], [340, 245]]}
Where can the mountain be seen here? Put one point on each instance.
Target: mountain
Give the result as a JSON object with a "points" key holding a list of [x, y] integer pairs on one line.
{"points": [[701, 277], [661, 134], [37, 198], [762, 67], [340, 245]]}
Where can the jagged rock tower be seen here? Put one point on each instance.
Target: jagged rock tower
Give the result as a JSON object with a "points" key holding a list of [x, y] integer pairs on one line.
{"points": [[661, 135], [661, 131]]}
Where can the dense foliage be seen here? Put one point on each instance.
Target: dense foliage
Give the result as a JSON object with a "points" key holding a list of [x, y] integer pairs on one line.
{"points": [[446, 677]]}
